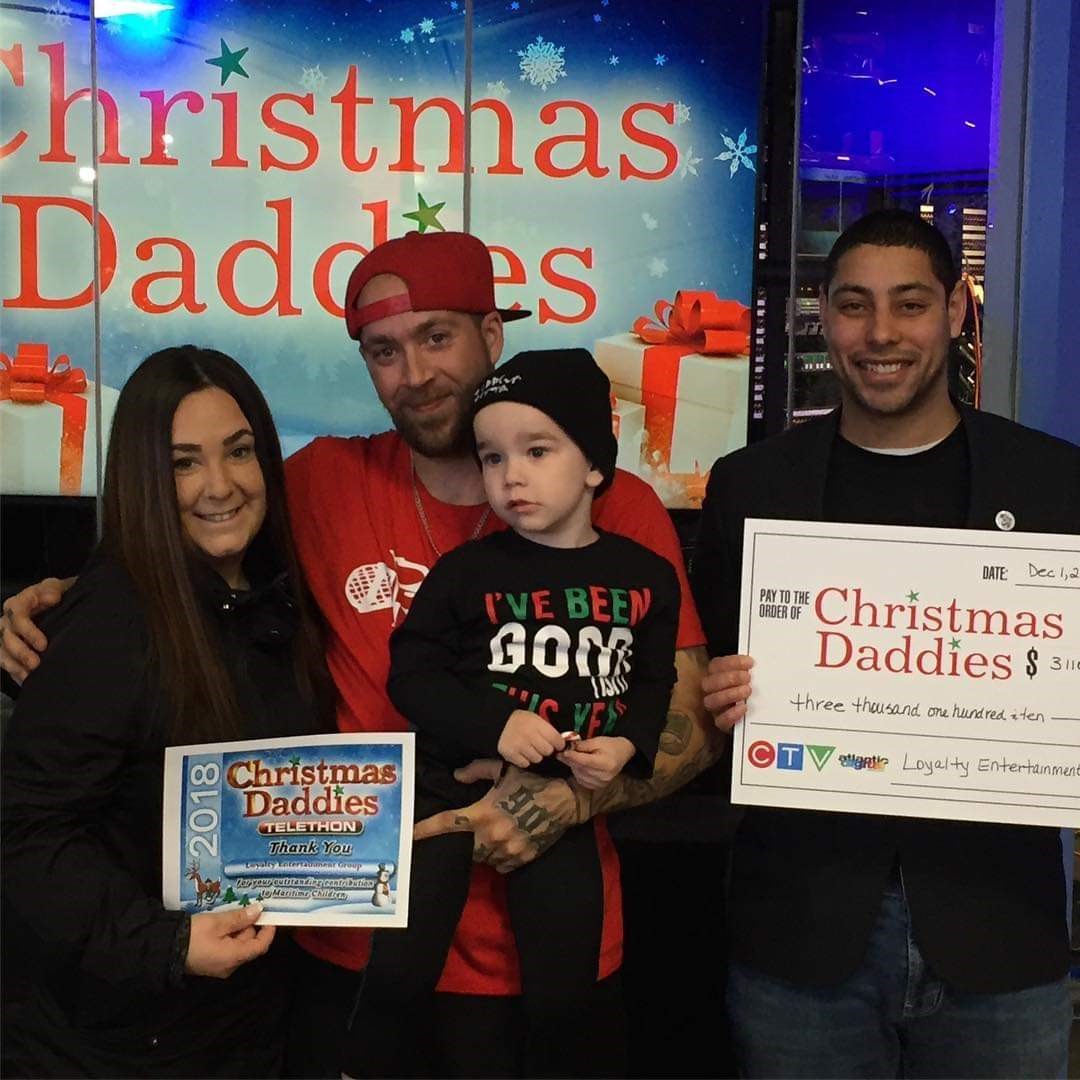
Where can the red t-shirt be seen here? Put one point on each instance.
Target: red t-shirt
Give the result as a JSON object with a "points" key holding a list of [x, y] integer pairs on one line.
{"points": [[364, 554]]}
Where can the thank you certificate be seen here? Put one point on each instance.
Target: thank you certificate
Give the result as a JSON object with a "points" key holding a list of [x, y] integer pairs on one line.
{"points": [[916, 672], [317, 829]]}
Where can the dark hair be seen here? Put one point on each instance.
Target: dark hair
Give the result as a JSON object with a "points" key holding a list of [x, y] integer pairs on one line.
{"points": [[896, 228], [142, 530]]}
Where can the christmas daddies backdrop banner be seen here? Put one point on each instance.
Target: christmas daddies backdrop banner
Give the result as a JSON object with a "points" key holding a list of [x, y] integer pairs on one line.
{"points": [[250, 152]]}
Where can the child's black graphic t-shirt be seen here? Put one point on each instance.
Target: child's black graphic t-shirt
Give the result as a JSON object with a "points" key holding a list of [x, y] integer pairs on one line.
{"points": [[584, 637]]}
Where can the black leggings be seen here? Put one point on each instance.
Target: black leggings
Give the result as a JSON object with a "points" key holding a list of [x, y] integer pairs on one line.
{"points": [[556, 910], [456, 1035]]}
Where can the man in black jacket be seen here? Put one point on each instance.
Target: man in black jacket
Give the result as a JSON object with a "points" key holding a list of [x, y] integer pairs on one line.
{"points": [[875, 946]]}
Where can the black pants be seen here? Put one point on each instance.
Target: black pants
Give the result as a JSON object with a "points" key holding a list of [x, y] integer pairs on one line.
{"points": [[556, 910], [456, 1035]]}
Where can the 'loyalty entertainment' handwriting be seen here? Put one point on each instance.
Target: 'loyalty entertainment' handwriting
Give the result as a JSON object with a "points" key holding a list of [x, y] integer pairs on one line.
{"points": [[929, 766]]}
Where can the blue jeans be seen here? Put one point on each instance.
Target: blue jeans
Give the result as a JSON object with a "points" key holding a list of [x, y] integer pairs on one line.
{"points": [[895, 1018]]}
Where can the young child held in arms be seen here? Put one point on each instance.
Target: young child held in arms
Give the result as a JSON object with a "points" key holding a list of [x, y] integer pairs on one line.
{"points": [[551, 645]]}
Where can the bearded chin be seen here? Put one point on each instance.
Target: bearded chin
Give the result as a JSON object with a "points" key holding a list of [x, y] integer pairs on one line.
{"points": [[448, 439]]}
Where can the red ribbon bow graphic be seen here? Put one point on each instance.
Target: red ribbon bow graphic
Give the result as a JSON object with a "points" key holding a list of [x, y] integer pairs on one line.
{"points": [[29, 380], [700, 322]]}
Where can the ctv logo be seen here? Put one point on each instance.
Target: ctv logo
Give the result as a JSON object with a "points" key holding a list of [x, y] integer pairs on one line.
{"points": [[762, 754]]}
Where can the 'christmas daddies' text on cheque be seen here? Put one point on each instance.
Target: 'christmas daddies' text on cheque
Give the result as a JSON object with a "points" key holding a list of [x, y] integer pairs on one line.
{"points": [[916, 672]]}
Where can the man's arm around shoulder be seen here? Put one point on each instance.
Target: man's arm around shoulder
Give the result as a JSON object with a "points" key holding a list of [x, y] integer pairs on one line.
{"points": [[20, 639]]}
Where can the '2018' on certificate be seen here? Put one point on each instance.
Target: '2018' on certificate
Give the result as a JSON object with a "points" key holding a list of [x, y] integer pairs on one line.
{"points": [[916, 672], [317, 829]]}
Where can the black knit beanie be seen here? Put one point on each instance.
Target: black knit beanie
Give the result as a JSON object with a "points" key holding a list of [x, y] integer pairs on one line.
{"points": [[566, 385]]}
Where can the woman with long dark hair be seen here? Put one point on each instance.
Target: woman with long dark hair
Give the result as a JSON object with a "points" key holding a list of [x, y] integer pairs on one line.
{"points": [[189, 625]]}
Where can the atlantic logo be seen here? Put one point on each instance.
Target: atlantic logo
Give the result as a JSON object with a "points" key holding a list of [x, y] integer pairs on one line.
{"points": [[859, 762], [762, 754]]}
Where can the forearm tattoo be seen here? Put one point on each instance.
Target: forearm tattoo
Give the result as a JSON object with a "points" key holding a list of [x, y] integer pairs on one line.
{"points": [[677, 763], [675, 737], [541, 811]]}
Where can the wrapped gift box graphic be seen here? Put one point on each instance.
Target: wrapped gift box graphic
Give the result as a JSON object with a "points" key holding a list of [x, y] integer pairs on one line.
{"points": [[48, 425], [628, 419], [689, 371]]}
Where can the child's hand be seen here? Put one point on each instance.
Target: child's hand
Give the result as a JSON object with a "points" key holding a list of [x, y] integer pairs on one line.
{"points": [[528, 739], [596, 762]]}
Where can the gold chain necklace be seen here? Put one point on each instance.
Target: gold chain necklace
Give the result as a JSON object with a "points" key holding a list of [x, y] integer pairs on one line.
{"points": [[424, 519]]}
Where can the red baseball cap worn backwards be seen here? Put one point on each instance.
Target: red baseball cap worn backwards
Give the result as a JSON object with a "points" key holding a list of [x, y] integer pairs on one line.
{"points": [[444, 271]]}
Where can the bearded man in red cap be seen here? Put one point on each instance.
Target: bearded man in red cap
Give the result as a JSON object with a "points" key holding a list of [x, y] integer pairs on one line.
{"points": [[371, 515]]}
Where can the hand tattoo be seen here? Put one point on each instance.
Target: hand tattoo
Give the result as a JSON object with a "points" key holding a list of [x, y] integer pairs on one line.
{"points": [[536, 821]]}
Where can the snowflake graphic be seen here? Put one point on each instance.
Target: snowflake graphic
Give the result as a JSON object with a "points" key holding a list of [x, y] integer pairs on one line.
{"points": [[114, 27], [427, 26], [660, 59], [657, 267], [57, 15], [682, 113], [738, 153], [406, 35], [688, 163], [542, 63], [597, 17], [453, 5], [313, 79], [498, 90], [613, 61], [515, 5], [649, 221]]}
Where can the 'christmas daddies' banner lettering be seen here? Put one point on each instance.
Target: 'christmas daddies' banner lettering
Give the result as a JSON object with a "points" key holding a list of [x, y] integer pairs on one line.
{"points": [[917, 672], [248, 157]]}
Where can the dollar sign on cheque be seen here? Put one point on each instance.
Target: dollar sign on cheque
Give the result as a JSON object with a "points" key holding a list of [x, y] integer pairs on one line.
{"points": [[1032, 667]]}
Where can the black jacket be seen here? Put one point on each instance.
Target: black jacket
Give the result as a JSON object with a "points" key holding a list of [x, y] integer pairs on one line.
{"points": [[987, 901], [101, 960]]}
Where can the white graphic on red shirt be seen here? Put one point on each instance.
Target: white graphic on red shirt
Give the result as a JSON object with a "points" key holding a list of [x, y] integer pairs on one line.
{"points": [[379, 587]]}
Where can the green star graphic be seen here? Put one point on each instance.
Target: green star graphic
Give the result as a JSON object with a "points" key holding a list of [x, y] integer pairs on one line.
{"points": [[229, 62], [294, 760], [955, 643], [339, 790], [913, 596], [427, 217]]}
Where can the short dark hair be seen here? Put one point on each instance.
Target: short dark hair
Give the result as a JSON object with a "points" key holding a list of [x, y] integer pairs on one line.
{"points": [[142, 530], [893, 227]]}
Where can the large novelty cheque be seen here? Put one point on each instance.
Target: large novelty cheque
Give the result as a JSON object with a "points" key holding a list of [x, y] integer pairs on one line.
{"points": [[915, 672], [317, 829]]}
